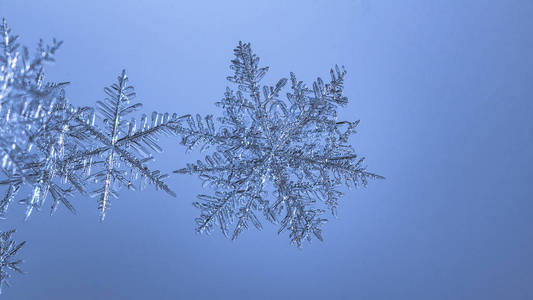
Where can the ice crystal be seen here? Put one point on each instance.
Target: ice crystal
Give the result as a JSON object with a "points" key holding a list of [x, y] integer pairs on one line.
{"points": [[294, 149]]}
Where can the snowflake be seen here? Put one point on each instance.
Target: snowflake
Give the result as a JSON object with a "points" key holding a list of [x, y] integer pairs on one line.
{"points": [[294, 150]]}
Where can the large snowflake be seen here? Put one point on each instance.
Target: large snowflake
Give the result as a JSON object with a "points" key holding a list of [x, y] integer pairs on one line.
{"points": [[283, 159]]}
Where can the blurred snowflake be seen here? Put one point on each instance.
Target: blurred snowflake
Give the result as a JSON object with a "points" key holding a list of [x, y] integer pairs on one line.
{"points": [[8, 249]]}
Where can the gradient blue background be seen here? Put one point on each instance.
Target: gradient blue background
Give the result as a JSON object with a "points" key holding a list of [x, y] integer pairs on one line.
{"points": [[445, 97]]}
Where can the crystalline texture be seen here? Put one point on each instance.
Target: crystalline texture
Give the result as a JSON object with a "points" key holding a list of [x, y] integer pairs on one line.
{"points": [[294, 149]]}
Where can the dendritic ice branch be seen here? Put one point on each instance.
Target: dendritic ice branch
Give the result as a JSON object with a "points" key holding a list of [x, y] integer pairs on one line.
{"points": [[8, 249], [121, 148], [281, 158]]}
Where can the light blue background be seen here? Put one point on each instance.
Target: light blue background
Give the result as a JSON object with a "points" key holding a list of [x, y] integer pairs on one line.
{"points": [[445, 97]]}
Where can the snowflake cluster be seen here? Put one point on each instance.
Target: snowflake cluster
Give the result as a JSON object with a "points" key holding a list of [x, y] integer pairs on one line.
{"points": [[282, 158]]}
